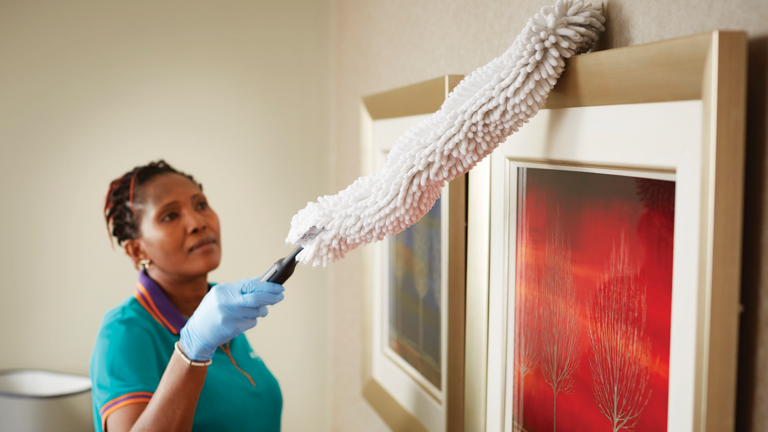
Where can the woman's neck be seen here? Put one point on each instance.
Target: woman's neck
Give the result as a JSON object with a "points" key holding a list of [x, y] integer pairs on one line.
{"points": [[184, 294]]}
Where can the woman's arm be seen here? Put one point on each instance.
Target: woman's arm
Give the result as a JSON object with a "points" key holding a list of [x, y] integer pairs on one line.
{"points": [[172, 407], [225, 312]]}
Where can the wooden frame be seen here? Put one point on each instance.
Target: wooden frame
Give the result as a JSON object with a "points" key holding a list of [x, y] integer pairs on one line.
{"points": [[434, 409], [709, 71]]}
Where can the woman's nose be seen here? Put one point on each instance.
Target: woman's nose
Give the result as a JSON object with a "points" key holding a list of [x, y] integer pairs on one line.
{"points": [[197, 223]]}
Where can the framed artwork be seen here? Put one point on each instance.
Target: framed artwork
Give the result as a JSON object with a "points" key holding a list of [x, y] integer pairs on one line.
{"points": [[605, 243], [414, 337]]}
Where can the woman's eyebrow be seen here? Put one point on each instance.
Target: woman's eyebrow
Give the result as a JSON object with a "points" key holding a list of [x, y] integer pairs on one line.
{"points": [[169, 204]]}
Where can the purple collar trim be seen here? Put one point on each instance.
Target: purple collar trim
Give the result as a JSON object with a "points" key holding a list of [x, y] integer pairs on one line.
{"points": [[154, 300]]}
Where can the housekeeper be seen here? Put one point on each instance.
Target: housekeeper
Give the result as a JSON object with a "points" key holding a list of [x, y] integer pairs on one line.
{"points": [[173, 357]]}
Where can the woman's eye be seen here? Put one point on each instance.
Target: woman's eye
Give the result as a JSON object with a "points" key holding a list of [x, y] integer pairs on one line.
{"points": [[202, 205], [170, 216]]}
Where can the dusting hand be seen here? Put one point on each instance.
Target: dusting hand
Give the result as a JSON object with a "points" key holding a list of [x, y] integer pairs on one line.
{"points": [[226, 311]]}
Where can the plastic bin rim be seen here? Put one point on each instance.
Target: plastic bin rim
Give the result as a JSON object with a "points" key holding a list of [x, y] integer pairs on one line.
{"points": [[20, 396]]}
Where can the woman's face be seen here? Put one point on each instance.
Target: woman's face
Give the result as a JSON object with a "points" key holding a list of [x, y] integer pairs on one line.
{"points": [[179, 232]]}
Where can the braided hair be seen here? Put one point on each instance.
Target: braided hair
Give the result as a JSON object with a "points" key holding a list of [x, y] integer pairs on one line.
{"points": [[119, 211]]}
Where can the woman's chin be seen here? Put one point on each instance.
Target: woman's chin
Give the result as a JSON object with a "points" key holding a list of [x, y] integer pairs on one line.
{"points": [[205, 263]]}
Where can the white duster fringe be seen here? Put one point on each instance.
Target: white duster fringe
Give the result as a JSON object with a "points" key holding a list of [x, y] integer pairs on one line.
{"points": [[482, 111]]}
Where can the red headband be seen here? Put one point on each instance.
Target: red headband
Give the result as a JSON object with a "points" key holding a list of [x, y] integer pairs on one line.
{"points": [[108, 205]]}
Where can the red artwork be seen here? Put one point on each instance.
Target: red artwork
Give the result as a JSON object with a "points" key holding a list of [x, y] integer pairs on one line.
{"points": [[593, 302]]}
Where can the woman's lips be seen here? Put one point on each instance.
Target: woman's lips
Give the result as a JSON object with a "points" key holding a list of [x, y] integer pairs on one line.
{"points": [[203, 245]]}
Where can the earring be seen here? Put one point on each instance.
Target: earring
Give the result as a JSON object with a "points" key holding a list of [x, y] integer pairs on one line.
{"points": [[145, 263]]}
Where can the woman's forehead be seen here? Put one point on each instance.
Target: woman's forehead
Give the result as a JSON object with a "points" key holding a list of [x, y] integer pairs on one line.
{"points": [[168, 187]]}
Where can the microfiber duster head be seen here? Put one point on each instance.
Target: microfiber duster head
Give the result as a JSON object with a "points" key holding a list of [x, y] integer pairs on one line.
{"points": [[482, 111]]}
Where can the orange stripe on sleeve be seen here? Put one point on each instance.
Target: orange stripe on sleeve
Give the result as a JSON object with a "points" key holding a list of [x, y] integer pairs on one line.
{"points": [[139, 397], [127, 395]]}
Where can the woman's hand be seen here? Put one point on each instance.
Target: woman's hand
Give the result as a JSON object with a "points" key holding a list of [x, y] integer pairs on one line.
{"points": [[226, 311]]}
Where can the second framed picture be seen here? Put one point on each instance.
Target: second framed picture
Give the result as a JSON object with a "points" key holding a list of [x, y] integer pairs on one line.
{"points": [[611, 224], [414, 340]]}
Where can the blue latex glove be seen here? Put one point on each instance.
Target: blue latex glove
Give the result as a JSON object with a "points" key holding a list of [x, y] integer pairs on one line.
{"points": [[226, 311]]}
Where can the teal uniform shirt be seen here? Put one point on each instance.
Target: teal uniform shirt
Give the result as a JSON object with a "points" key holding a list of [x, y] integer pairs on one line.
{"points": [[133, 347]]}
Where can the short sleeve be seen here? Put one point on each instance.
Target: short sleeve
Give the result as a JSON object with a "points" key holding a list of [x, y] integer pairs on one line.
{"points": [[127, 363]]}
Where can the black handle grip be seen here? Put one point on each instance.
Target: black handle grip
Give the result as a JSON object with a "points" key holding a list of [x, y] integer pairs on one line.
{"points": [[282, 269]]}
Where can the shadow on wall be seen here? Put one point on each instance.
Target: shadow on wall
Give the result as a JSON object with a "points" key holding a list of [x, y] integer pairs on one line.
{"points": [[753, 337], [616, 34]]}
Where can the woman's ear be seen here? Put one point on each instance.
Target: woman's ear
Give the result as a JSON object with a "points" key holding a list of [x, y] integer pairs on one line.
{"points": [[134, 251]]}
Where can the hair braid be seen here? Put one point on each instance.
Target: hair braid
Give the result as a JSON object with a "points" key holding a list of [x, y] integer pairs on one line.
{"points": [[119, 211]]}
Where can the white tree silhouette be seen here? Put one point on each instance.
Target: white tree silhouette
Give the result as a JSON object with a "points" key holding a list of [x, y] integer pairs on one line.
{"points": [[527, 335], [620, 349], [527, 317], [559, 321]]}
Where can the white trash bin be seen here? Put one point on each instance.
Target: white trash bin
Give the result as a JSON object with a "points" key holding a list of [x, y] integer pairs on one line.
{"points": [[40, 401]]}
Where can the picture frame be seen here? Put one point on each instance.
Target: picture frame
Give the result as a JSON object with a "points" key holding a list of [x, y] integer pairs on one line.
{"points": [[415, 382], [671, 111]]}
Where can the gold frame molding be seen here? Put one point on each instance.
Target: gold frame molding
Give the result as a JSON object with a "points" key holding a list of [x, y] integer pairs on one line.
{"points": [[421, 98], [710, 67]]}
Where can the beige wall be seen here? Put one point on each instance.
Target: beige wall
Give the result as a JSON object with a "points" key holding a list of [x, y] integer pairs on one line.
{"points": [[382, 44], [88, 89], [234, 92]]}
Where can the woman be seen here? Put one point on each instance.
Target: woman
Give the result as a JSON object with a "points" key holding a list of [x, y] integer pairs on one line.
{"points": [[155, 365]]}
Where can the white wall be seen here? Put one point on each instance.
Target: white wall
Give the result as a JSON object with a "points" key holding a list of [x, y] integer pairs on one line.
{"points": [[235, 92]]}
